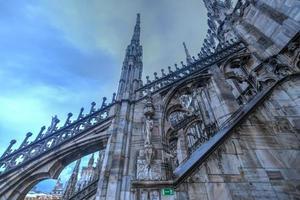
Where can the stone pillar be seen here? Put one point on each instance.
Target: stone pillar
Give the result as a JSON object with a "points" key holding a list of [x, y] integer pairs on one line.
{"points": [[110, 181]]}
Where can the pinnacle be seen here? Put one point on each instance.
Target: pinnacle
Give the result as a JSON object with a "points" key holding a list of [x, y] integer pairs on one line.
{"points": [[138, 18], [137, 28], [189, 59]]}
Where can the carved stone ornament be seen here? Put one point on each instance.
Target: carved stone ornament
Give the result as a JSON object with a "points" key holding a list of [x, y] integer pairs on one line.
{"points": [[149, 108], [144, 172], [149, 153]]}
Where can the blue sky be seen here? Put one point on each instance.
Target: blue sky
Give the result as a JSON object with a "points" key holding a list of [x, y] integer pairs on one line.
{"points": [[59, 55]]}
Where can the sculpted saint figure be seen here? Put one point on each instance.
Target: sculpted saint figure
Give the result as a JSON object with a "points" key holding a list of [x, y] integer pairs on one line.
{"points": [[148, 129]]}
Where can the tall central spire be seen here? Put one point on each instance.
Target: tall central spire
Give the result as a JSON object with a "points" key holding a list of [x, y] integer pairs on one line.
{"points": [[131, 75], [137, 31]]}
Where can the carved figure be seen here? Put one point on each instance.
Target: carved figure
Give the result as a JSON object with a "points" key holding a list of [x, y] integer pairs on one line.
{"points": [[148, 129], [149, 154]]}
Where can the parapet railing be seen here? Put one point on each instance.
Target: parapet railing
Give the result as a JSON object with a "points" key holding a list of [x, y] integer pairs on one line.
{"points": [[53, 137], [201, 64]]}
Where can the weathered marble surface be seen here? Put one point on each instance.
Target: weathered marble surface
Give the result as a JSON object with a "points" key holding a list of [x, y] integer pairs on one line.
{"points": [[263, 163]]}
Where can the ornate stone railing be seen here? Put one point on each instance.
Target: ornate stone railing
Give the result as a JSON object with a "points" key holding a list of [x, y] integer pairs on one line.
{"points": [[86, 192], [53, 137], [222, 52]]}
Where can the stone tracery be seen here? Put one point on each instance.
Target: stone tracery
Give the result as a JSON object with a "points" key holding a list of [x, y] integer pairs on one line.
{"points": [[191, 118]]}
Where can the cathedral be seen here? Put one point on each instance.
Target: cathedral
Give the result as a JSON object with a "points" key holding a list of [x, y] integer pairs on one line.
{"points": [[88, 175], [222, 125]]}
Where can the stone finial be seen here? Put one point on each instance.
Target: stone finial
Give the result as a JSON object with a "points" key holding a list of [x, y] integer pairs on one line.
{"points": [[8, 150], [176, 67], [148, 80], [80, 115], [182, 64], [163, 72], [53, 126], [113, 98], [29, 134], [68, 121], [93, 104], [40, 135], [209, 51], [25, 141], [103, 102], [206, 42], [170, 70], [155, 75]]}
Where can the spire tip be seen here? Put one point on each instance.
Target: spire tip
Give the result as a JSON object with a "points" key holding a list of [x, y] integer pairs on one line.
{"points": [[138, 18], [187, 54]]}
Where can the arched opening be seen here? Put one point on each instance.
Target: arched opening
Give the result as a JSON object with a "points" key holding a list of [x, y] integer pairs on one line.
{"points": [[75, 177]]}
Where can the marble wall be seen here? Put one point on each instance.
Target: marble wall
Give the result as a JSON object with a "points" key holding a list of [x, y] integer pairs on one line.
{"points": [[261, 158]]}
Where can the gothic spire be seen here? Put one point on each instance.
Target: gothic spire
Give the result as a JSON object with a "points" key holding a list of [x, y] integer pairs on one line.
{"points": [[189, 59], [137, 30], [131, 75], [71, 185]]}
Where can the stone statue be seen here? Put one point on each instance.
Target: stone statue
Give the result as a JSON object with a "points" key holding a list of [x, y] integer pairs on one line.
{"points": [[148, 129]]}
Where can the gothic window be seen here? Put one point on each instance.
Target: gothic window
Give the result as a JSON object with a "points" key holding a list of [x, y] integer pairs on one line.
{"points": [[196, 135], [191, 119], [185, 100], [176, 117]]}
